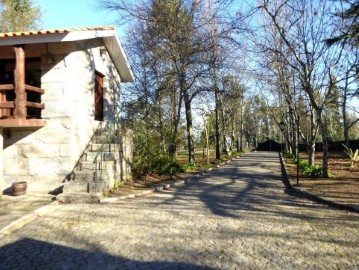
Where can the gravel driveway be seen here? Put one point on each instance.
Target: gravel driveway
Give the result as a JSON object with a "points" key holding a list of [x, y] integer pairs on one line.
{"points": [[236, 217]]}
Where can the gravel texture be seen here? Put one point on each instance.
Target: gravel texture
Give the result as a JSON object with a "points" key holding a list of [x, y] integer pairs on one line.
{"points": [[238, 216]]}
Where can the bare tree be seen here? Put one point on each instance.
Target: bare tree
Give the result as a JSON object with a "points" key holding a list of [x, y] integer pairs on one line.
{"points": [[302, 33]]}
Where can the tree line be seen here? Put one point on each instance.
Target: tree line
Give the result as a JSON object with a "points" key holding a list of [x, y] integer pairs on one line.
{"points": [[246, 72], [225, 75]]}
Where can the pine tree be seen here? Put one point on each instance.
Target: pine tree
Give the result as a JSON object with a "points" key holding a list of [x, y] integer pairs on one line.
{"points": [[19, 15]]}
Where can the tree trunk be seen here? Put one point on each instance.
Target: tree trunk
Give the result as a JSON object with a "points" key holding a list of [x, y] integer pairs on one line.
{"points": [[311, 148], [291, 132], [190, 142], [207, 142], [216, 100], [238, 144], [323, 130], [241, 130], [225, 144], [311, 153], [176, 118], [345, 120]]}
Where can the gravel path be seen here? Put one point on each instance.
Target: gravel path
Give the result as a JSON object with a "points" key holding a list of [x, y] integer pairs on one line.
{"points": [[236, 217]]}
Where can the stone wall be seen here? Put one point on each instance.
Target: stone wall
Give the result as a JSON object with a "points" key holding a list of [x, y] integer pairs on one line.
{"points": [[124, 164], [45, 156]]}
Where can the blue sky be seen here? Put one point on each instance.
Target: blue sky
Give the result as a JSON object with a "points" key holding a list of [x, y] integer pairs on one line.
{"points": [[60, 14]]}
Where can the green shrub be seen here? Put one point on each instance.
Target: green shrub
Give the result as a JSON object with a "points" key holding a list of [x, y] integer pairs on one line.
{"points": [[140, 166], [165, 164], [287, 154], [303, 164], [161, 163], [189, 167], [311, 170], [172, 169], [314, 170]]}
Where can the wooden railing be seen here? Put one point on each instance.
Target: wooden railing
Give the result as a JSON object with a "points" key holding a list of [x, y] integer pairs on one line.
{"points": [[7, 87], [7, 107]]}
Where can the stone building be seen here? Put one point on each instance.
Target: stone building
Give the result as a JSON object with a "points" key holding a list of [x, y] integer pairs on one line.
{"points": [[57, 89]]}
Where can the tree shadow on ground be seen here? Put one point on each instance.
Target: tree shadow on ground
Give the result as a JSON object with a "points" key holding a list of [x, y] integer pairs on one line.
{"points": [[253, 183], [29, 253]]}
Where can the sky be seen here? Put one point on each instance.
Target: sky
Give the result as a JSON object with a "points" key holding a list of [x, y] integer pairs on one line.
{"points": [[61, 14]]}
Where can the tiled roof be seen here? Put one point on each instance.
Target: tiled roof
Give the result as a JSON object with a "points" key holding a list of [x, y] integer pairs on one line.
{"points": [[55, 31], [107, 33]]}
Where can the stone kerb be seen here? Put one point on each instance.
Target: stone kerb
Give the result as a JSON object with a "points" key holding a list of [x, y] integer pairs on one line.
{"points": [[309, 195], [166, 186]]}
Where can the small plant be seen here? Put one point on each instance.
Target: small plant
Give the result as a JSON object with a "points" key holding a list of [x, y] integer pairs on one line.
{"points": [[118, 184], [354, 156], [166, 164], [315, 171], [189, 167], [287, 154], [173, 169], [303, 164], [312, 170]]}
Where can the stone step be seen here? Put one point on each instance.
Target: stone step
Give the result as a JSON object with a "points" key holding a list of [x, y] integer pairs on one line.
{"points": [[106, 156], [105, 131], [79, 197], [90, 166], [107, 147], [88, 176], [83, 186], [82, 176], [85, 166], [106, 139]]}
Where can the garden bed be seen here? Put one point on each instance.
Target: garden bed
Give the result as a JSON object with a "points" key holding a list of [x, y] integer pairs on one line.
{"points": [[342, 188], [152, 180]]}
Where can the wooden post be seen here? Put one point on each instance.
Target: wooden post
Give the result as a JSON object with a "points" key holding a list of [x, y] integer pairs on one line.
{"points": [[2, 93], [19, 81], [2, 182]]}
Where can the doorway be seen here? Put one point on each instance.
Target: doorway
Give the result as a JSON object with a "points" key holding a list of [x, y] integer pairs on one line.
{"points": [[99, 96]]}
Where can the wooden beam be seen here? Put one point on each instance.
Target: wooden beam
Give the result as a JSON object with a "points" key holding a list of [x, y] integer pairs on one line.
{"points": [[34, 89], [35, 105], [7, 87], [7, 105], [22, 123], [19, 81]]}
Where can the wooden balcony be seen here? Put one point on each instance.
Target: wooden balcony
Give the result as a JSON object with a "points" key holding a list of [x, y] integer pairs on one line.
{"points": [[20, 103], [30, 111]]}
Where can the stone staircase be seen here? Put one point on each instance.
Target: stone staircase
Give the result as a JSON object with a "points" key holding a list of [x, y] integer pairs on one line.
{"points": [[89, 180]]}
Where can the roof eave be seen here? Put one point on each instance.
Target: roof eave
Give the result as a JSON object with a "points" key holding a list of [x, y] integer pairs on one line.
{"points": [[118, 56], [110, 38]]}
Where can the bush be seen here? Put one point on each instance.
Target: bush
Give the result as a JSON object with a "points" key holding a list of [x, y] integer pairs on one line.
{"points": [[189, 167], [140, 166], [166, 164], [161, 164], [312, 170], [303, 164], [287, 154]]}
